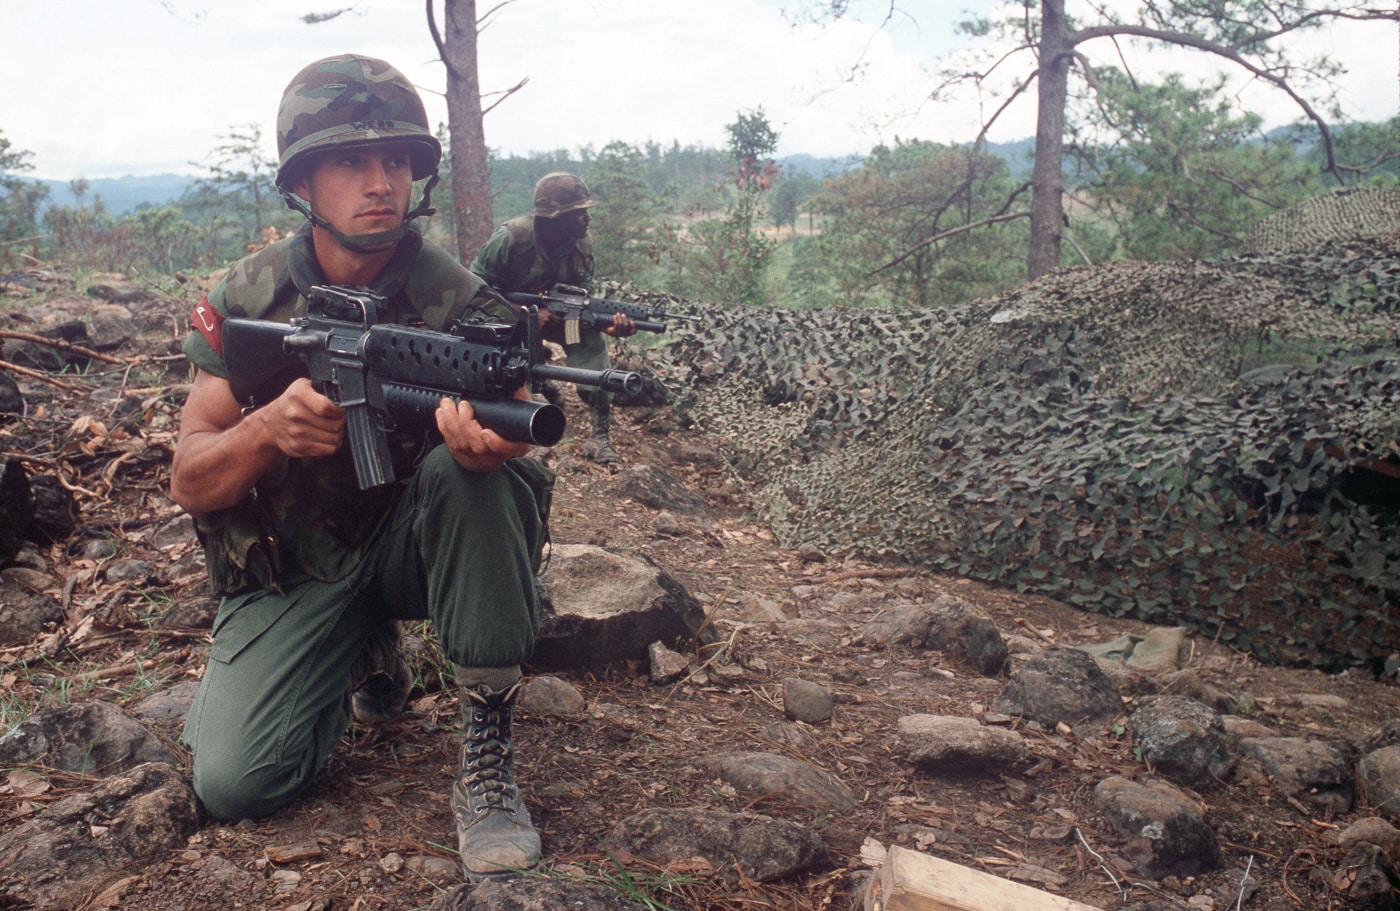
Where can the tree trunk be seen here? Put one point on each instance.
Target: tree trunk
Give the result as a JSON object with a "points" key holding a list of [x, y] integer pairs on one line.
{"points": [[1047, 187], [471, 177]]}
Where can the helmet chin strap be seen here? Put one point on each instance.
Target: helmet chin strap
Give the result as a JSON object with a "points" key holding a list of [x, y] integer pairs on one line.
{"points": [[364, 242]]}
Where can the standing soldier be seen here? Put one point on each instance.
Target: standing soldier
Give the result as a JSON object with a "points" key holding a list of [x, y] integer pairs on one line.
{"points": [[531, 254]]}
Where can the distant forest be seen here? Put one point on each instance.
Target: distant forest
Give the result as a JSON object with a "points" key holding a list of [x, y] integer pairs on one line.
{"points": [[914, 224], [124, 195]]}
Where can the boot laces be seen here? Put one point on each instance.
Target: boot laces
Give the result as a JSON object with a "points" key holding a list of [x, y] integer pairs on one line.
{"points": [[486, 760]]}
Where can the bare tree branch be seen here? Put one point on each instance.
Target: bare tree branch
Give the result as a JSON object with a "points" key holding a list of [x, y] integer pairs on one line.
{"points": [[951, 232]]}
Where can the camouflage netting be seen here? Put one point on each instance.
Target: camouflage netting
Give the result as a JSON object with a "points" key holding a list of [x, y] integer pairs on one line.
{"points": [[1130, 438], [1344, 214]]}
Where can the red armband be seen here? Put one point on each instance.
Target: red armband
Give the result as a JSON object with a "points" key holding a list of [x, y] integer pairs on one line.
{"points": [[209, 322]]}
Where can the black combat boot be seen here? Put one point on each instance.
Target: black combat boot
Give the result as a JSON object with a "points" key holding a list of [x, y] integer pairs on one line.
{"points": [[380, 680], [553, 393], [599, 447], [495, 836]]}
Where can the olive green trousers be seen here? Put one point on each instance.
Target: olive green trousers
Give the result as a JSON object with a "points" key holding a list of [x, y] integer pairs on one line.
{"points": [[457, 547], [591, 353]]}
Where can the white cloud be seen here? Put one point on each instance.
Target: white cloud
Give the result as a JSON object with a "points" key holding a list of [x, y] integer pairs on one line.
{"points": [[139, 90]]}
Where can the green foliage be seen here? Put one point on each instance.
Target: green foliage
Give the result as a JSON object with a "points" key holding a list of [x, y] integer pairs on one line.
{"points": [[19, 203], [1182, 174], [624, 227], [149, 241], [735, 252], [237, 203], [1369, 151], [878, 219], [786, 202]]}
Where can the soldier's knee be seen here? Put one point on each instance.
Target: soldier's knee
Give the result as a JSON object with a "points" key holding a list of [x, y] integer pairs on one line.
{"points": [[230, 793]]}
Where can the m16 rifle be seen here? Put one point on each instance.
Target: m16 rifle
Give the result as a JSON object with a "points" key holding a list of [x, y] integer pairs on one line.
{"points": [[390, 377], [578, 310]]}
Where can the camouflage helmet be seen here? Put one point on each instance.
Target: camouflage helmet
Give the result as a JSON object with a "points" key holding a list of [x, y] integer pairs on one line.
{"points": [[349, 100], [559, 192]]}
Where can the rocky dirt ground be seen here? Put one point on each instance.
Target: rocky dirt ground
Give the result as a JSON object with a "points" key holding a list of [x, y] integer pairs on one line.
{"points": [[375, 831]]}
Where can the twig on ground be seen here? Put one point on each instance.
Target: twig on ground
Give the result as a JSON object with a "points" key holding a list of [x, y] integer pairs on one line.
{"points": [[36, 374]]}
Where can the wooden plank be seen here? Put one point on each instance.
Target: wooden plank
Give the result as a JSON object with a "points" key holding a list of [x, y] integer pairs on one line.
{"points": [[911, 881]]}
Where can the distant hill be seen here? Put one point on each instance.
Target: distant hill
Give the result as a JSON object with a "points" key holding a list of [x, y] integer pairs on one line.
{"points": [[122, 195], [818, 168]]}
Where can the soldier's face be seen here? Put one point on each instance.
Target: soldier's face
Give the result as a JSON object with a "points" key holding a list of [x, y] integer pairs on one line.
{"points": [[360, 190], [575, 224]]}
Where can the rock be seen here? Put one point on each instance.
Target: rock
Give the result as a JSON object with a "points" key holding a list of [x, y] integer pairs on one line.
{"points": [[1387, 735], [736, 846], [665, 524], [1186, 682], [1373, 831], [667, 666], [16, 507], [1378, 780], [11, 398], [806, 701], [111, 326], [1313, 771], [1368, 879], [75, 847], [135, 572], [118, 290], [536, 894], [785, 733], [24, 614], [653, 487], [948, 625], [55, 510], [1164, 832], [171, 704], [605, 607], [1181, 739], [950, 743], [770, 775], [91, 738], [439, 871], [1057, 685], [1158, 650], [550, 696]]}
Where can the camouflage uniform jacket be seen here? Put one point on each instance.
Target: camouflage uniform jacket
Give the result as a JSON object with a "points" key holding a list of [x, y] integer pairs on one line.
{"points": [[512, 260], [307, 517]]}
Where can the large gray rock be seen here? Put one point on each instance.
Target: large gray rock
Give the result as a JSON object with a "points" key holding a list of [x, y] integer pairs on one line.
{"points": [[90, 738], [951, 743], [949, 625], [735, 845], [1318, 772], [605, 607], [536, 894], [1058, 685], [1182, 739], [76, 847], [1164, 832], [770, 775], [1378, 780]]}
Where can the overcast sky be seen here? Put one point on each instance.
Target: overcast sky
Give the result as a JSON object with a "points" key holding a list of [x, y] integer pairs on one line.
{"points": [[105, 88]]}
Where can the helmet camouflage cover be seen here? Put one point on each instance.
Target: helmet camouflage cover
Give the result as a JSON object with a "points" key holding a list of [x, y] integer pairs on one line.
{"points": [[559, 192], [349, 100]]}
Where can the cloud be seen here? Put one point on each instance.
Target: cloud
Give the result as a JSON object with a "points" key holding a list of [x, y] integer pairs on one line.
{"points": [[164, 94]]}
